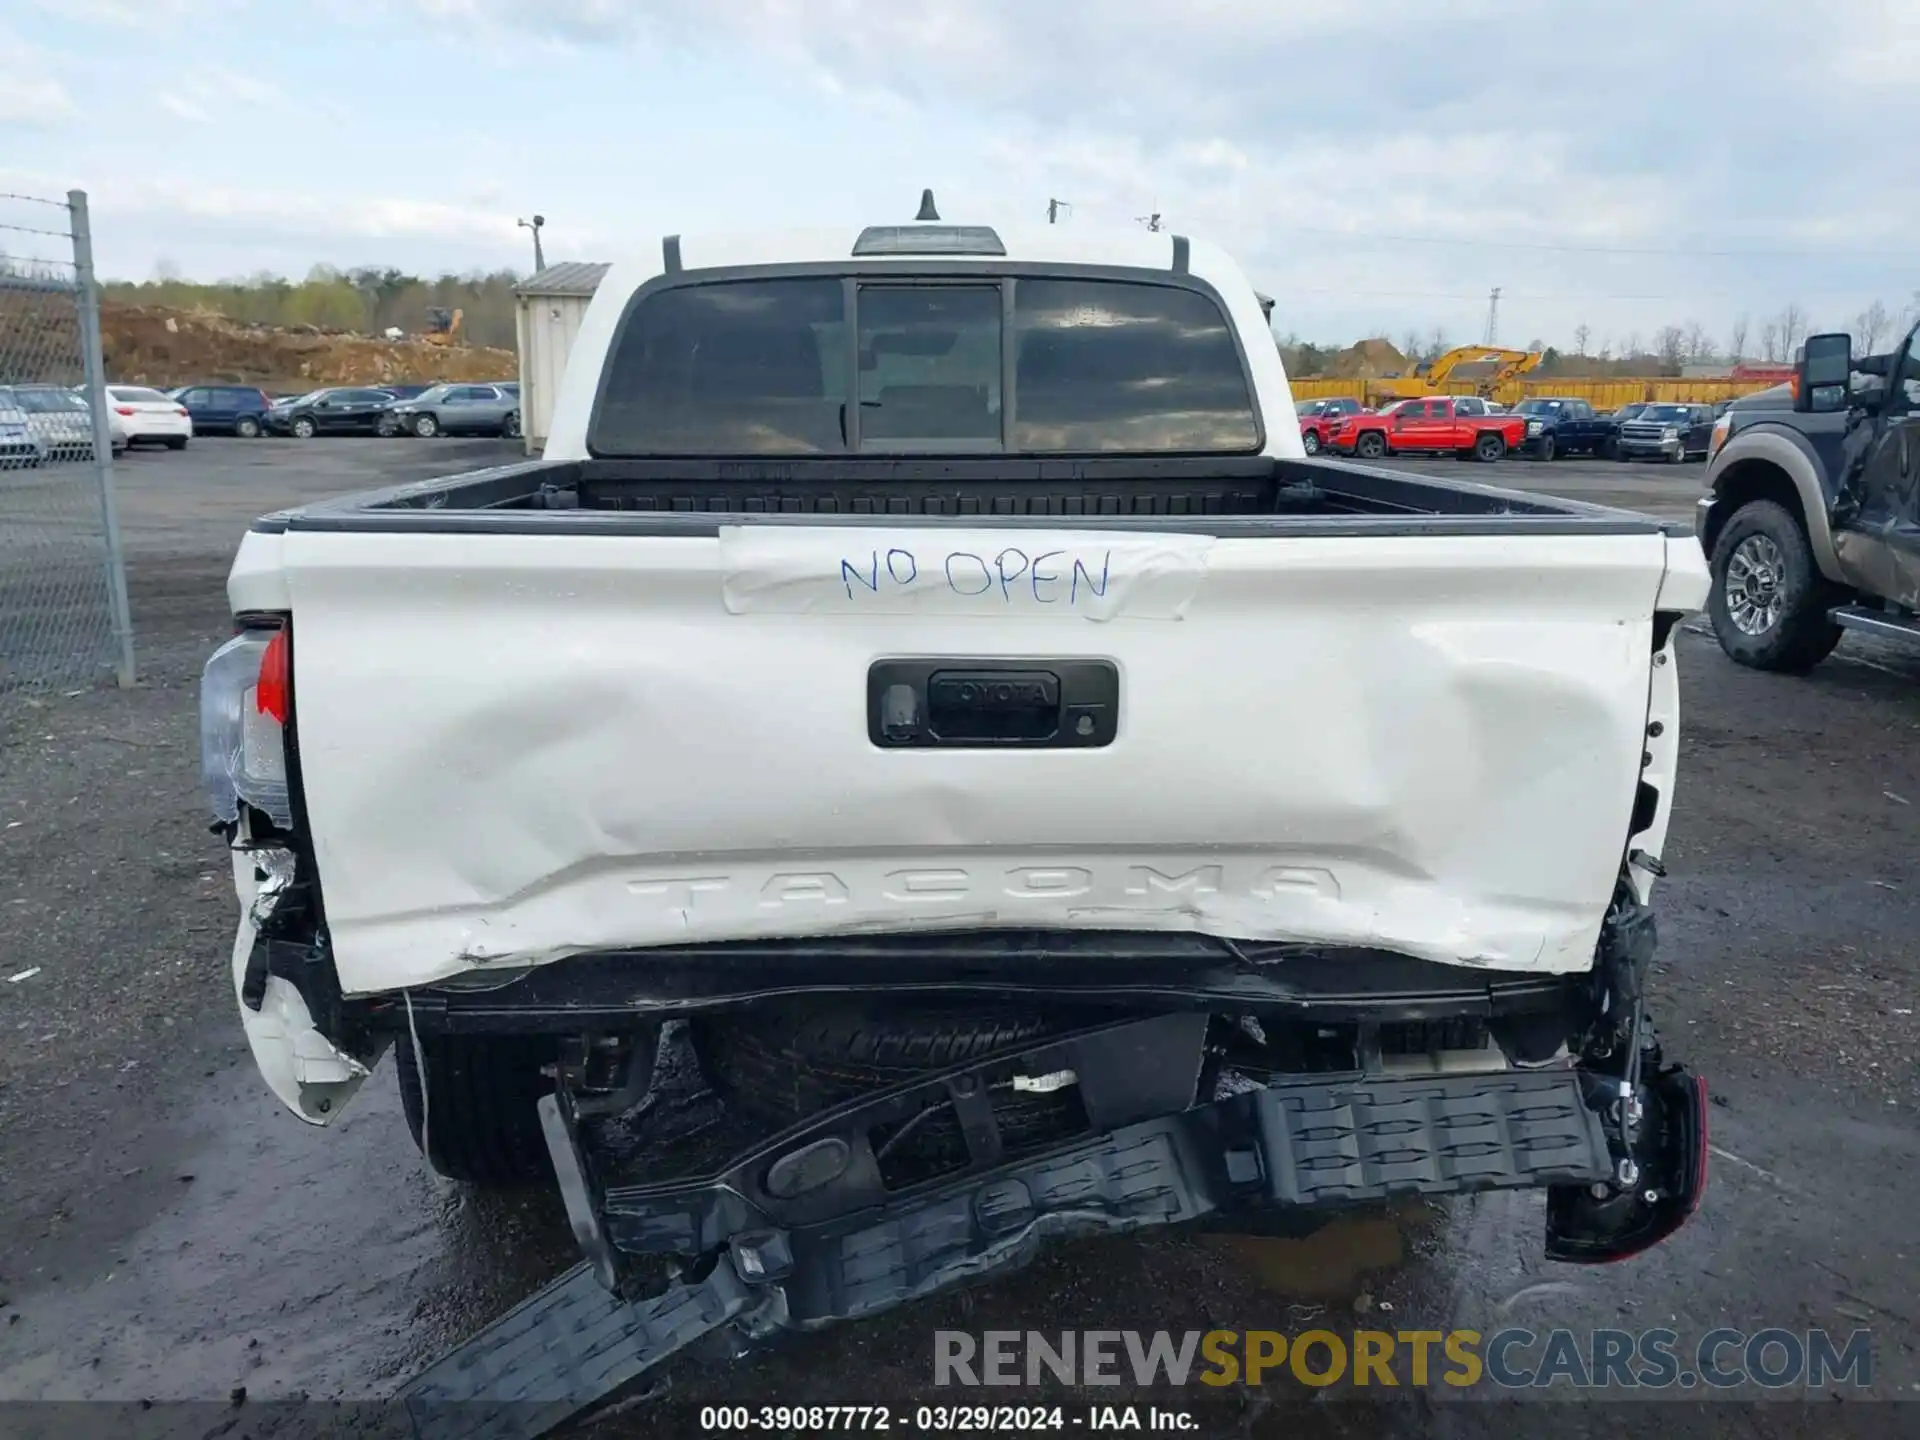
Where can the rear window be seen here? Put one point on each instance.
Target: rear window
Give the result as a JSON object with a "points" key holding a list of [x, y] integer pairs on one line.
{"points": [[780, 367], [49, 402], [137, 395]]}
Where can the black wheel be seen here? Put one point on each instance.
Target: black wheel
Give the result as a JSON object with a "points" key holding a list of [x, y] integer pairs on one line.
{"points": [[387, 427], [478, 1113], [778, 1066], [1611, 451], [1310, 442], [176, 442], [1769, 601], [1489, 448], [247, 428], [1371, 445], [1546, 449], [304, 428], [511, 428]]}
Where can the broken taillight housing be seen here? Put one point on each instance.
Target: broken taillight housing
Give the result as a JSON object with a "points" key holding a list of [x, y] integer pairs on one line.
{"points": [[245, 699]]}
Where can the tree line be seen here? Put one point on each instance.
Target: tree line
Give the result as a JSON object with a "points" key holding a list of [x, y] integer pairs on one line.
{"points": [[1774, 339], [367, 300]]}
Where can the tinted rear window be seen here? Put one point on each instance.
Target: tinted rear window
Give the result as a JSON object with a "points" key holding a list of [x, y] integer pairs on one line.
{"points": [[753, 367], [1104, 365], [767, 367], [136, 395]]}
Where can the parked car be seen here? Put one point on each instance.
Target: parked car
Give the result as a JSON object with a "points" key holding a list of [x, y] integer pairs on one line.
{"points": [[1813, 506], [942, 917], [1557, 427], [1317, 417], [62, 421], [1458, 425], [19, 446], [456, 410], [1629, 411], [224, 409], [340, 410], [408, 392], [141, 416], [1673, 433]]}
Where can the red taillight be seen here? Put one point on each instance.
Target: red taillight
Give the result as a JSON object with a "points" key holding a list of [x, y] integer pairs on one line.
{"points": [[179, 409], [271, 693], [123, 409]]}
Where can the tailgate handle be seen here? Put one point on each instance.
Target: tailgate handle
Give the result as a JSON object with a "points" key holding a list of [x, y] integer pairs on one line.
{"points": [[992, 703]]}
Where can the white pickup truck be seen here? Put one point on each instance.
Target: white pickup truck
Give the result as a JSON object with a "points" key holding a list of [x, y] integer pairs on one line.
{"points": [[925, 663]]}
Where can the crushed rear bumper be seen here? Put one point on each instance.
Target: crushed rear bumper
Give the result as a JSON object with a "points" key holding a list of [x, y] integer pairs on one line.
{"points": [[803, 1230]]}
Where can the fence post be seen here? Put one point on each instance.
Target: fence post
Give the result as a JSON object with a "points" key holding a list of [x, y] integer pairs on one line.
{"points": [[96, 381]]}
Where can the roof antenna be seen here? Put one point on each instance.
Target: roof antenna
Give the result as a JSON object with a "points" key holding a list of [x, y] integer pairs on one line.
{"points": [[927, 212]]}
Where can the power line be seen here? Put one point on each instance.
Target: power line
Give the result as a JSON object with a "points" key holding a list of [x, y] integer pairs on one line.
{"points": [[1478, 243], [1851, 292], [1706, 252]]}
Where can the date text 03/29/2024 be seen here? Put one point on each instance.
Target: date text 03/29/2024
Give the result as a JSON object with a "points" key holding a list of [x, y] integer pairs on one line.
{"points": [[942, 1419]]}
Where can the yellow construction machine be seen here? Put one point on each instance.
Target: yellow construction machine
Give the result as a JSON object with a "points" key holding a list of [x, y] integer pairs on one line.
{"points": [[1506, 365], [443, 326]]}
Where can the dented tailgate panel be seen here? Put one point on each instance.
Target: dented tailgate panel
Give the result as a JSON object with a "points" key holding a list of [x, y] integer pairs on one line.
{"points": [[519, 747]]}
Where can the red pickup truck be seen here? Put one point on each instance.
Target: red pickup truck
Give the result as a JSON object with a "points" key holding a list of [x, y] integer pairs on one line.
{"points": [[1464, 425], [1318, 417]]}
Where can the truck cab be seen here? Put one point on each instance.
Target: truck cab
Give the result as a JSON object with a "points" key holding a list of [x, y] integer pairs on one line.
{"points": [[1559, 426], [1811, 520]]}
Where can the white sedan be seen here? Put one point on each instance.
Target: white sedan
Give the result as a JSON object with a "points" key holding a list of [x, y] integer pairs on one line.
{"points": [[135, 413]]}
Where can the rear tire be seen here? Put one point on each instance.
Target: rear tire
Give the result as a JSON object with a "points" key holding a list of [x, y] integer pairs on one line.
{"points": [[176, 442], [1769, 601], [479, 1110], [1489, 448], [511, 429], [247, 428]]}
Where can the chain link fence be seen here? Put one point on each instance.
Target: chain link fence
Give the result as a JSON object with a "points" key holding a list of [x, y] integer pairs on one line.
{"points": [[63, 589]]}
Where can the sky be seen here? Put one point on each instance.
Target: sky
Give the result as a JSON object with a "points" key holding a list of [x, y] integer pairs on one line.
{"points": [[1377, 166]]}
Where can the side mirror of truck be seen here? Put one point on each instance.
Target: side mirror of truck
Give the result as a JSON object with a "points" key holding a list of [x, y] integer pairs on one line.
{"points": [[1821, 373]]}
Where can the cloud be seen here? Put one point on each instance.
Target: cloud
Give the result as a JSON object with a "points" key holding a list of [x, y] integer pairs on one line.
{"points": [[31, 95], [1440, 139], [33, 99], [210, 91], [181, 107]]}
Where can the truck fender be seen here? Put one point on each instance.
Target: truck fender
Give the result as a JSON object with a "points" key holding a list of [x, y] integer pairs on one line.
{"points": [[1786, 452]]}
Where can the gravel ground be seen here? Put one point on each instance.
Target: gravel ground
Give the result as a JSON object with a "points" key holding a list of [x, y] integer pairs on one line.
{"points": [[171, 1233]]}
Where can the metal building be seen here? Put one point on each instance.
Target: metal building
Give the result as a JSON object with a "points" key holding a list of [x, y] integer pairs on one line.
{"points": [[551, 306]]}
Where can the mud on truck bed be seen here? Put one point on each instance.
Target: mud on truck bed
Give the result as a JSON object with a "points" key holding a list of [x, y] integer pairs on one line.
{"points": [[925, 665]]}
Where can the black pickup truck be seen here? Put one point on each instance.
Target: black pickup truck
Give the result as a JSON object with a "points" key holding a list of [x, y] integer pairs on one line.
{"points": [[1811, 520]]}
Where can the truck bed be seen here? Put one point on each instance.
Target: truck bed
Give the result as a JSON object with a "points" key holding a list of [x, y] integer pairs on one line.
{"points": [[1213, 496]]}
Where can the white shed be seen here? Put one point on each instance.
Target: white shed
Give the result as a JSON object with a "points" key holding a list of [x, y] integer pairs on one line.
{"points": [[551, 306]]}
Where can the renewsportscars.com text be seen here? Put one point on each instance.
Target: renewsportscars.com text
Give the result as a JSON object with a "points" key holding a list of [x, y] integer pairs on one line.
{"points": [[1512, 1358]]}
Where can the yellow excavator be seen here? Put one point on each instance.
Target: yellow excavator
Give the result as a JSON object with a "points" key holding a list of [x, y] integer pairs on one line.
{"points": [[1507, 365], [443, 326]]}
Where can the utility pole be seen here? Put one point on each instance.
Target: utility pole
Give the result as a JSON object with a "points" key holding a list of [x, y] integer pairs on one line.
{"points": [[539, 260], [1493, 317], [1054, 207], [1152, 222]]}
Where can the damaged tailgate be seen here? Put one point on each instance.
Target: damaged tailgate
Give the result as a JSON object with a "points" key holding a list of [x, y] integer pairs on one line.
{"points": [[1427, 743]]}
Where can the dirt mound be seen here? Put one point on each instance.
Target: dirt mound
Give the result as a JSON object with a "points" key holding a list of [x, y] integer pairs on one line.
{"points": [[149, 345], [1369, 360]]}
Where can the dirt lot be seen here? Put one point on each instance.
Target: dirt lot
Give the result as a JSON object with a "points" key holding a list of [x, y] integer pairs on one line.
{"points": [[171, 1233]]}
